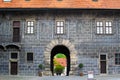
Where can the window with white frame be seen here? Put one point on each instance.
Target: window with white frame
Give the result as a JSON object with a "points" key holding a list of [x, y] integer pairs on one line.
{"points": [[104, 27], [30, 27], [117, 58], [100, 27], [29, 57], [60, 27], [7, 0], [108, 27]]}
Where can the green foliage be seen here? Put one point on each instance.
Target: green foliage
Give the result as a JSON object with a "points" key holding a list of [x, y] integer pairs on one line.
{"points": [[59, 69], [60, 55], [56, 63], [80, 65], [41, 66]]}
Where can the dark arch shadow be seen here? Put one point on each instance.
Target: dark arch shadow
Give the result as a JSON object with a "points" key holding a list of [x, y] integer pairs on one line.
{"points": [[60, 49], [2, 47], [10, 46]]}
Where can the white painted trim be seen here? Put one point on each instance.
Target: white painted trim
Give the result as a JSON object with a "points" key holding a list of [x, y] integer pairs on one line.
{"points": [[13, 60], [64, 28], [106, 63]]}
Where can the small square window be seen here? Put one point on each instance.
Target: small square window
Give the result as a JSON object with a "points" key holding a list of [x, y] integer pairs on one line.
{"points": [[29, 57], [14, 55]]}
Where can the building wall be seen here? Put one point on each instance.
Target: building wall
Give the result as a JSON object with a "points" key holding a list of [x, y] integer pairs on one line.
{"points": [[80, 30]]}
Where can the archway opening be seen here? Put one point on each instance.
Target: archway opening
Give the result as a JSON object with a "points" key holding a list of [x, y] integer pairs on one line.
{"points": [[60, 49]]}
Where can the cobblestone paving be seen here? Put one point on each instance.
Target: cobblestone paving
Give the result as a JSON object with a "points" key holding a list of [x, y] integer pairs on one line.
{"points": [[112, 77]]}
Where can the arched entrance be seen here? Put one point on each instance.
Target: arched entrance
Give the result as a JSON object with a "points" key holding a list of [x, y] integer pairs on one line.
{"points": [[67, 48], [60, 49]]}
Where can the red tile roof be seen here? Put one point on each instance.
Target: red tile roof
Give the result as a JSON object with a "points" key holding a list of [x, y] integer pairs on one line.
{"points": [[80, 4]]}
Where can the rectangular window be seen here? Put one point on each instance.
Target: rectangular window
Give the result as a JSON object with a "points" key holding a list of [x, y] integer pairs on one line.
{"points": [[60, 27], [14, 55], [117, 58], [16, 31], [30, 27], [99, 27], [29, 57], [108, 27], [7, 0], [104, 27]]}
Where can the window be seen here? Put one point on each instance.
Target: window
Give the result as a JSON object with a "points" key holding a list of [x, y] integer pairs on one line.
{"points": [[30, 27], [104, 27], [60, 27], [117, 58], [108, 27], [7, 0], [29, 57], [14, 55], [16, 31], [99, 27]]}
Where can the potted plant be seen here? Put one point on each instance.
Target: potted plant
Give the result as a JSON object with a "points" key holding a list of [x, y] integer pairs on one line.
{"points": [[59, 69], [80, 67], [41, 67]]}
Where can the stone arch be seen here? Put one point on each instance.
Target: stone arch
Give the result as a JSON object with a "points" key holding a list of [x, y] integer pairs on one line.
{"points": [[12, 46], [73, 55]]}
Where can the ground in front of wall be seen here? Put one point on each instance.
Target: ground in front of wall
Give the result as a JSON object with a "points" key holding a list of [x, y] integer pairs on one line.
{"points": [[97, 77]]}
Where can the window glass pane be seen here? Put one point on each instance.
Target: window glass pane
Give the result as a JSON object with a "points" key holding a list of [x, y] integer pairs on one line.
{"points": [[110, 30], [58, 23], [61, 30], [32, 30], [98, 24], [29, 56], [98, 31], [58, 30], [62, 24], [110, 23], [32, 23], [107, 24], [107, 30], [28, 24], [103, 57], [28, 30], [117, 59], [101, 24], [101, 30], [14, 56]]}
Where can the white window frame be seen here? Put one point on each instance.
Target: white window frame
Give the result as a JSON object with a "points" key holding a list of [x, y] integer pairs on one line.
{"points": [[17, 56], [60, 26], [104, 27], [30, 27]]}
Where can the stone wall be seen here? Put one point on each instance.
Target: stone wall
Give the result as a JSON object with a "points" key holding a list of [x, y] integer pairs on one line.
{"points": [[80, 31]]}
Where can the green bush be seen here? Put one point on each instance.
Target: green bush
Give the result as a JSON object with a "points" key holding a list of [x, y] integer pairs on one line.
{"points": [[80, 65], [59, 69], [41, 66]]}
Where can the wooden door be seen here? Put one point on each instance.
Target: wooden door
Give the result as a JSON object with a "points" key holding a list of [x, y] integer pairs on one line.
{"points": [[16, 34], [103, 64], [14, 68]]}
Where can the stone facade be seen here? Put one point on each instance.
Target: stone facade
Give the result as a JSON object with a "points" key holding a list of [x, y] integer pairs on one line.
{"points": [[80, 38]]}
